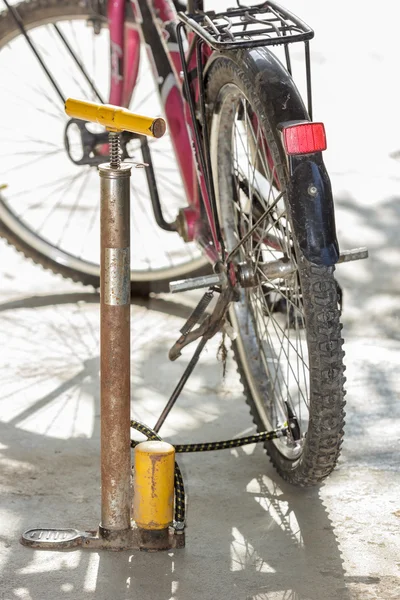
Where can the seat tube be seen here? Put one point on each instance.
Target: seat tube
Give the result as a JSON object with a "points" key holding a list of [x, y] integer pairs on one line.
{"points": [[116, 23]]}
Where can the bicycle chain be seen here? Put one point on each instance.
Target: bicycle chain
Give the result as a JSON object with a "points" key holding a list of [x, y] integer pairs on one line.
{"points": [[201, 447]]}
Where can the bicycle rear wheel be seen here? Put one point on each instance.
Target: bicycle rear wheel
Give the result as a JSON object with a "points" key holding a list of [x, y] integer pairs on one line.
{"points": [[50, 208], [289, 348]]}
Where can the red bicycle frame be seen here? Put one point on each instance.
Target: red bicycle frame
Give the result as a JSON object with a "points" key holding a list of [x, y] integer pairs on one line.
{"points": [[153, 21]]}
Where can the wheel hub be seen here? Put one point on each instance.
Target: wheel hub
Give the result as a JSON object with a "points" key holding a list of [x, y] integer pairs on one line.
{"points": [[246, 275], [276, 269]]}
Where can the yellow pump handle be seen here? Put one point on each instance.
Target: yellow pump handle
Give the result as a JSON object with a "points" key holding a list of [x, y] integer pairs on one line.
{"points": [[115, 118]]}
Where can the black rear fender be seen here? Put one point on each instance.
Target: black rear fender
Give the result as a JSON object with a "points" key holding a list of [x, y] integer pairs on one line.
{"points": [[312, 214]]}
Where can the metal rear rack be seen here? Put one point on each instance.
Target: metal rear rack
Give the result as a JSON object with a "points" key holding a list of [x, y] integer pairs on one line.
{"points": [[266, 24]]}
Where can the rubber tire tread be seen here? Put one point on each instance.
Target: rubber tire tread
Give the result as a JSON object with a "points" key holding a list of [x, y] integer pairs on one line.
{"points": [[323, 442], [31, 12]]}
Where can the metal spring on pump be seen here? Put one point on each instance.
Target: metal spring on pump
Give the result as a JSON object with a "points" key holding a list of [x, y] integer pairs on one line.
{"points": [[115, 150]]}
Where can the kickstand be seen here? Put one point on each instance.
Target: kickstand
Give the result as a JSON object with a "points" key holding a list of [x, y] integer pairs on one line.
{"points": [[176, 393]]}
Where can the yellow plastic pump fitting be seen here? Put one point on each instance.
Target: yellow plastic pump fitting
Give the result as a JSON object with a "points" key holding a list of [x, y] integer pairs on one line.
{"points": [[115, 118], [153, 495]]}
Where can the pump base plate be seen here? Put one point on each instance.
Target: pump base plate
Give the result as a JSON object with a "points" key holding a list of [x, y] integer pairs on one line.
{"points": [[133, 538]]}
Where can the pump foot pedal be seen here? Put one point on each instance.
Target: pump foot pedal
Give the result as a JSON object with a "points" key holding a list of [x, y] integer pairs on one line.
{"points": [[133, 538], [53, 539]]}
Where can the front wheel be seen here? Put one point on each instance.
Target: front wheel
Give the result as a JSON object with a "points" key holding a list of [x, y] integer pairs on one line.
{"points": [[289, 347], [49, 206]]}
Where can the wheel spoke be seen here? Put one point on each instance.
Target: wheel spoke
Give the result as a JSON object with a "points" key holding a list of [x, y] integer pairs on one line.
{"points": [[75, 206], [281, 335], [52, 208], [43, 156], [254, 207], [63, 189]]}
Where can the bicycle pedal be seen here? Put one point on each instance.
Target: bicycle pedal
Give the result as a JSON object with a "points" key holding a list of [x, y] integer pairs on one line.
{"points": [[354, 254]]}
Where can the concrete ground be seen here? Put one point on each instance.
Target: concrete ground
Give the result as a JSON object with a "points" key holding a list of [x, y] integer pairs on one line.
{"points": [[250, 536]]}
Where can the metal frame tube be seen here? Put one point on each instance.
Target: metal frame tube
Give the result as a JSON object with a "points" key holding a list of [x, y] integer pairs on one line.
{"points": [[115, 348]]}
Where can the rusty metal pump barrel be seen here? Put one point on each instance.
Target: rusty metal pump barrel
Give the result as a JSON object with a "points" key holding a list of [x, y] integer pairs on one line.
{"points": [[115, 311], [115, 347], [154, 460]]}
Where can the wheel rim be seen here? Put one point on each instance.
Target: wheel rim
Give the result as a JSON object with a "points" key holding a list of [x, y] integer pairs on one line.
{"points": [[52, 204], [269, 317]]}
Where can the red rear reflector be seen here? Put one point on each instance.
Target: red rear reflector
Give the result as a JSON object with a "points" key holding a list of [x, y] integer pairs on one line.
{"points": [[304, 138]]}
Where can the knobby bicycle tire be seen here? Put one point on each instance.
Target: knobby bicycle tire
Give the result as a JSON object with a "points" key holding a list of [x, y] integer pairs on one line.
{"points": [[265, 349]]}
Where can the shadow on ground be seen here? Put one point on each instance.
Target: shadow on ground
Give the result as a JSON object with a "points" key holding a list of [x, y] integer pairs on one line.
{"points": [[249, 534], [372, 286]]}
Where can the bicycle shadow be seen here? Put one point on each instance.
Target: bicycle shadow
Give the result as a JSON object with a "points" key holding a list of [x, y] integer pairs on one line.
{"points": [[249, 536], [158, 303], [276, 542], [371, 286]]}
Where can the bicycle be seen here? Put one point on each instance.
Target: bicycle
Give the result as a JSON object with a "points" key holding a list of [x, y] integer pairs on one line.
{"points": [[259, 198]]}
